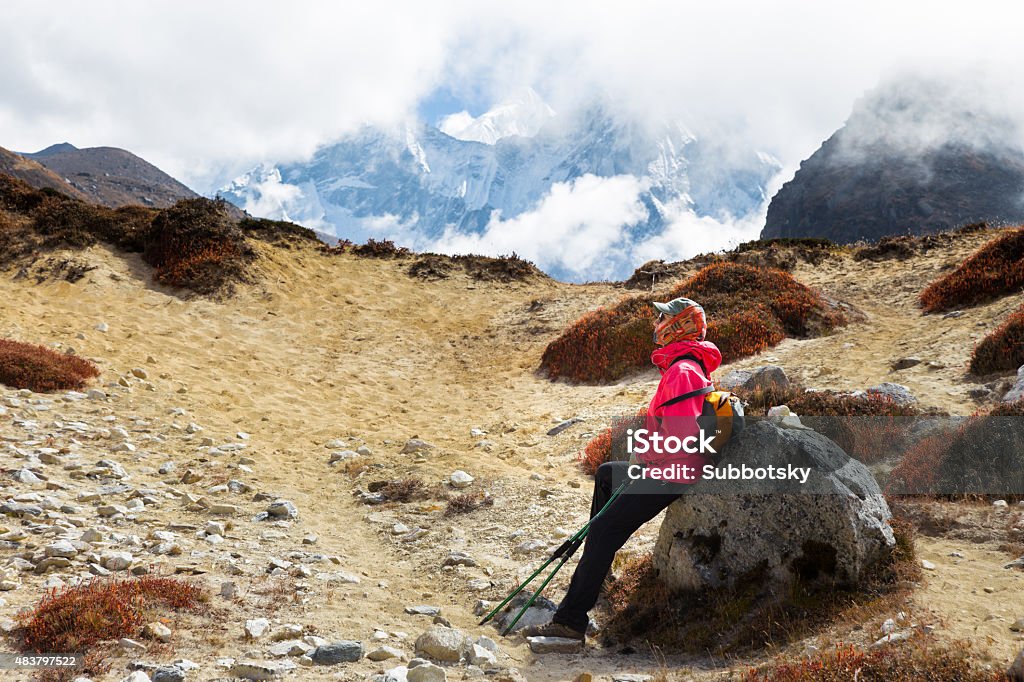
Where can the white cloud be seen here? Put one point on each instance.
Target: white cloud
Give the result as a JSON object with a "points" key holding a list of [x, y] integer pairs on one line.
{"points": [[575, 229], [206, 90]]}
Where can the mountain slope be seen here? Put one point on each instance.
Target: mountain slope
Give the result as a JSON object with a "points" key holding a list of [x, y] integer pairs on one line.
{"points": [[914, 157], [35, 174], [112, 177], [419, 183]]}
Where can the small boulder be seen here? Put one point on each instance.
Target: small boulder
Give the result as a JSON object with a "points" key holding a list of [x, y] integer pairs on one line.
{"points": [[443, 644], [344, 651], [427, 672], [554, 645], [898, 393]]}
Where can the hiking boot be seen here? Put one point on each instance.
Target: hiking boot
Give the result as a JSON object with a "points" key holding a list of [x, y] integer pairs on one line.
{"points": [[553, 629]]}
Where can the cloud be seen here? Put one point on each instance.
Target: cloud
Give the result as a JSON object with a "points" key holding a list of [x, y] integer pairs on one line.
{"points": [[206, 90], [575, 230]]}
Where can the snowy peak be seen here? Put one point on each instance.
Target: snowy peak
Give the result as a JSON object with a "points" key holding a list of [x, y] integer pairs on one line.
{"points": [[522, 116]]}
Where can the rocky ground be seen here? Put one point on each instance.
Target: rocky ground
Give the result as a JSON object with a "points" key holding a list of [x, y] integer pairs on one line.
{"points": [[241, 444]]}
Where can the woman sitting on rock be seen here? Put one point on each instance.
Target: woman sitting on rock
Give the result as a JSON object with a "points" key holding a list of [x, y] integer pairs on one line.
{"points": [[686, 362]]}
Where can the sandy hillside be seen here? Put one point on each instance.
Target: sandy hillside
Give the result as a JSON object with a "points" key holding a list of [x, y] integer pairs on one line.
{"points": [[337, 348]]}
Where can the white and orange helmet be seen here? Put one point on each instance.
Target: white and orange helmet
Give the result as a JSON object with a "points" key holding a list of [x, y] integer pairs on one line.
{"points": [[680, 320]]}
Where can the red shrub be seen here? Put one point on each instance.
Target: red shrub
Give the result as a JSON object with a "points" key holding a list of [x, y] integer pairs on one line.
{"points": [[1003, 349], [610, 444], [918, 470], [914, 661], [72, 619], [749, 309], [41, 369], [995, 270]]}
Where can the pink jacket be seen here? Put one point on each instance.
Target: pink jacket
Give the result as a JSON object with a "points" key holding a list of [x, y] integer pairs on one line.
{"points": [[680, 419]]}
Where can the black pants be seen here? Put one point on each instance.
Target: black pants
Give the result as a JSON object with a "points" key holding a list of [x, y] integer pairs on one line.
{"points": [[632, 509]]}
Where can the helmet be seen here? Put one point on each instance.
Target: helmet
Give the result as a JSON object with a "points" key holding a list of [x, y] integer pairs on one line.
{"points": [[681, 320]]}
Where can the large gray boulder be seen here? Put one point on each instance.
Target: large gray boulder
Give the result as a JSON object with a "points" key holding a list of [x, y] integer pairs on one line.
{"points": [[1017, 391], [726, 533]]}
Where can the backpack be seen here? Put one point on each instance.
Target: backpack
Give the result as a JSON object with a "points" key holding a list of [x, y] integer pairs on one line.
{"points": [[721, 413]]}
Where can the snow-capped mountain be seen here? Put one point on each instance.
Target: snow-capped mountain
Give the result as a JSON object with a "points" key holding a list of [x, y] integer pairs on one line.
{"points": [[419, 183], [522, 116]]}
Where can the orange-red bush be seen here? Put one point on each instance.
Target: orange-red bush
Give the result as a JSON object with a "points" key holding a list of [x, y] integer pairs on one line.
{"points": [[983, 457], [41, 369], [72, 619], [609, 444], [914, 661], [1003, 349], [748, 308], [995, 270]]}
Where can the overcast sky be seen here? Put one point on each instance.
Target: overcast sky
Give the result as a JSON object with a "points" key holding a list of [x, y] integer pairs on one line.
{"points": [[205, 89]]}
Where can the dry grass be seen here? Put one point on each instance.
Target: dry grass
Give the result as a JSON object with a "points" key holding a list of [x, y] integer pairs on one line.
{"points": [[41, 369], [983, 458], [404, 490], [995, 270], [917, 660], [748, 308], [467, 502], [76, 618], [1003, 349]]}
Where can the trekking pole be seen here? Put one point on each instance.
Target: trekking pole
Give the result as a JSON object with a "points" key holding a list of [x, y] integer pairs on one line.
{"points": [[566, 549]]}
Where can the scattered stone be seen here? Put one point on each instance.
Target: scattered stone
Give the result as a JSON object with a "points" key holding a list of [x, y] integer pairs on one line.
{"points": [[889, 626], [423, 610], [554, 645], [130, 645], [140, 373], [927, 565], [261, 670], [905, 363], [283, 509], [116, 561], [563, 426], [289, 647], [1016, 563], [414, 445], [102, 327], [897, 636], [898, 393], [458, 559], [1000, 504], [427, 672], [343, 651], [460, 479], [256, 628], [136, 676], [157, 631], [61, 548], [384, 653], [1017, 625], [342, 455], [631, 677], [443, 644]]}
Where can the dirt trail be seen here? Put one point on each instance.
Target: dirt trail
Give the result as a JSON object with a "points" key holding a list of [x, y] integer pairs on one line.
{"points": [[339, 347]]}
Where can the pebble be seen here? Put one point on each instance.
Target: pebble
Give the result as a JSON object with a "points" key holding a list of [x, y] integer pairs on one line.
{"points": [[460, 479], [927, 565], [442, 643], [414, 445], [423, 610]]}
